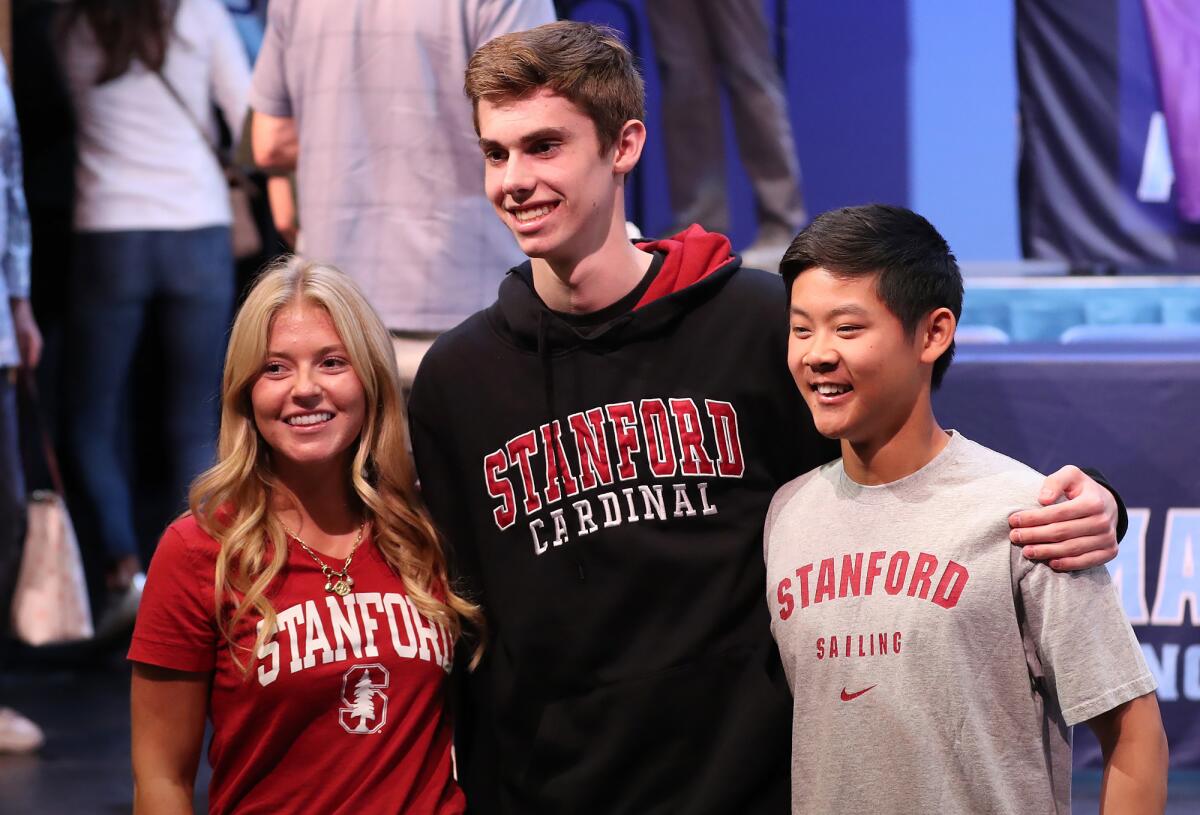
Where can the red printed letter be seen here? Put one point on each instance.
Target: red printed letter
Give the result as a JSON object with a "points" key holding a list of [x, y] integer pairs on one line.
{"points": [[501, 488], [926, 565], [729, 445], [591, 442], [951, 586], [824, 581], [784, 594], [553, 491], [659, 447], [897, 571], [692, 455], [624, 422], [519, 451], [851, 574], [874, 569]]}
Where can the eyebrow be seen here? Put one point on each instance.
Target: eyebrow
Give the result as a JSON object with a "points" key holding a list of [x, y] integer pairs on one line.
{"points": [[847, 309], [536, 136]]}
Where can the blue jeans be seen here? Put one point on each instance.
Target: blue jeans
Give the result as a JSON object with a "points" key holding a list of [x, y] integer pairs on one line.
{"points": [[181, 283], [12, 495]]}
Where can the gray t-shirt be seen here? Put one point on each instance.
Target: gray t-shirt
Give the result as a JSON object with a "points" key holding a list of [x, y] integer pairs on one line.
{"points": [[390, 175], [934, 668]]}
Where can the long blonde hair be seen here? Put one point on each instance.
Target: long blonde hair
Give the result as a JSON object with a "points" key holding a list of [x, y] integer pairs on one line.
{"points": [[230, 501]]}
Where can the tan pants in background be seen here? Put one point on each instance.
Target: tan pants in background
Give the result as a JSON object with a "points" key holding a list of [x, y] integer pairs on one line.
{"points": [[410, 348]]}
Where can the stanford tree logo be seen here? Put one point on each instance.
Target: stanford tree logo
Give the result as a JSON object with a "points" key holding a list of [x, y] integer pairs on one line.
{"points": [[365, 702]]}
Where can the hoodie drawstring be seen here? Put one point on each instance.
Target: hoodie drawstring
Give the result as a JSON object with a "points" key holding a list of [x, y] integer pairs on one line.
{"points": [[543, 350]]}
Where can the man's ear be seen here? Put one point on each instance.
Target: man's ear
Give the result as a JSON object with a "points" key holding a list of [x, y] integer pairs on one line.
{"points": [[628, 148], [937, 332]]}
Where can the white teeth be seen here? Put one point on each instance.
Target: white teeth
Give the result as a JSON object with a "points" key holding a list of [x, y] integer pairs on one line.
{"points": [[309, 418], [828, 389], [529, 214]]}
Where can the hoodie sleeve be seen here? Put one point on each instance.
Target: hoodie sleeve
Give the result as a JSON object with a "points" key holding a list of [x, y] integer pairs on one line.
{"points": [[441, 482]]}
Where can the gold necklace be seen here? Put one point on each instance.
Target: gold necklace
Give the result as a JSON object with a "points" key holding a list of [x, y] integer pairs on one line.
{"points": [[337, 581]]}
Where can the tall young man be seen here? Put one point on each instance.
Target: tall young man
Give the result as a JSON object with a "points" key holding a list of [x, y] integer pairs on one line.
{"points": [[935, 669], [599, 448]]}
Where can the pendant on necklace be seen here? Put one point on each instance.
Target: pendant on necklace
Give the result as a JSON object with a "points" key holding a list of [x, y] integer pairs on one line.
{"points": [[341, 588]]}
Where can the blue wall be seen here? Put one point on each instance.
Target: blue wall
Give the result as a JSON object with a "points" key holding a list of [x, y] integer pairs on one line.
{"points": [[962, 125], [847, 85], [906, 101]]}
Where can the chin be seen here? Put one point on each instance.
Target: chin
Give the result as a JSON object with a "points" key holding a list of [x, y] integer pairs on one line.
{"points": [[831, 427], [542, 248], [311, 457], [826, 425]]}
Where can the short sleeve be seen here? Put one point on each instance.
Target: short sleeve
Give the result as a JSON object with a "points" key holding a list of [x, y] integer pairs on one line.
{"points": [[1079, 642], [176, 625], [780, 500], [268, 88]]}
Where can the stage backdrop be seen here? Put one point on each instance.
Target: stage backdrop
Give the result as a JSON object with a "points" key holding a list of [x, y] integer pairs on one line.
{"points": [[1133, 416], [1102, 102]]}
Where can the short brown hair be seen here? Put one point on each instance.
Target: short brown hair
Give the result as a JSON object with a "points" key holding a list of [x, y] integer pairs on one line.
{"points": [[585, 63]]}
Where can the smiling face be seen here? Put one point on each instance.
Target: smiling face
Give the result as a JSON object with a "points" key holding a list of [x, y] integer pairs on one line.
{"points": [[860, 371], [309, 405], [546, 176]]}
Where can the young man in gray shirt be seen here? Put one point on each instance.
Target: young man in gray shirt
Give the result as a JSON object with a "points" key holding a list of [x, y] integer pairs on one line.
{"points": [[934, 669]]}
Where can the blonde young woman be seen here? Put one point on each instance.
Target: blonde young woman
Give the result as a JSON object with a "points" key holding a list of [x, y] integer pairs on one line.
{"points": [[302, 605]]}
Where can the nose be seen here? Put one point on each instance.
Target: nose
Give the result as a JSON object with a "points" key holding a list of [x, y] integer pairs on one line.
{"points": [[518, 181], [306, 388], [821, 356]]}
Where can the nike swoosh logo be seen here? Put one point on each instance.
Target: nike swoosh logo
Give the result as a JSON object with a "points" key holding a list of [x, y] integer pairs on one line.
{"points": [[846, 697]]}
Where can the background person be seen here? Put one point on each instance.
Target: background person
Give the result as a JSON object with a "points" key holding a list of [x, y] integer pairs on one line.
{"points": [[20, 347], [152, 245], [701, 46], [364, 100]]}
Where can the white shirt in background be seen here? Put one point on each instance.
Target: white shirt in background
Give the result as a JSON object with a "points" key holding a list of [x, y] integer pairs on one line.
{"points": [[142, 164]]}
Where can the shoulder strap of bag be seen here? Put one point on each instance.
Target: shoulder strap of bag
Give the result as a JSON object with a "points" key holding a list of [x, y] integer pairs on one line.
{"points": [[191, 117], [235, 174], [27, 382]]}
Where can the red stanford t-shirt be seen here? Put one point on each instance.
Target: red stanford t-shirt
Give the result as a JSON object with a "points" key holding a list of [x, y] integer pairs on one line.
{"points": [[344, 711]]}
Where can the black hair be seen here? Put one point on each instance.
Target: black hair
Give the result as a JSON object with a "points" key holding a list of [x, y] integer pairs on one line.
{"points": [[916, 270]]}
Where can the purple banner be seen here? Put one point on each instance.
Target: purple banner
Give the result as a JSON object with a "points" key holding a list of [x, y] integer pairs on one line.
{"points": [[1175, 38]]}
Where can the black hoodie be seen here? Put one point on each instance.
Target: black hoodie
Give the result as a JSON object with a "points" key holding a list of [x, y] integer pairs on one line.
{"points": [[630, 666]]}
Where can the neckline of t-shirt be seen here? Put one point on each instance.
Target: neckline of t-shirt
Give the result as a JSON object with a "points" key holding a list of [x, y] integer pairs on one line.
{"points": [[621, 307], [848, 486]]}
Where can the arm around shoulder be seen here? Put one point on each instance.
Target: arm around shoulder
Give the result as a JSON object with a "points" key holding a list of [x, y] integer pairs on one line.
{"points": [[1076, 533], [1135, 757]]}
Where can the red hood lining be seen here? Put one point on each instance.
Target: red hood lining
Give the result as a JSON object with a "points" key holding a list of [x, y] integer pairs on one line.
{"points": [[690, 256]]}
